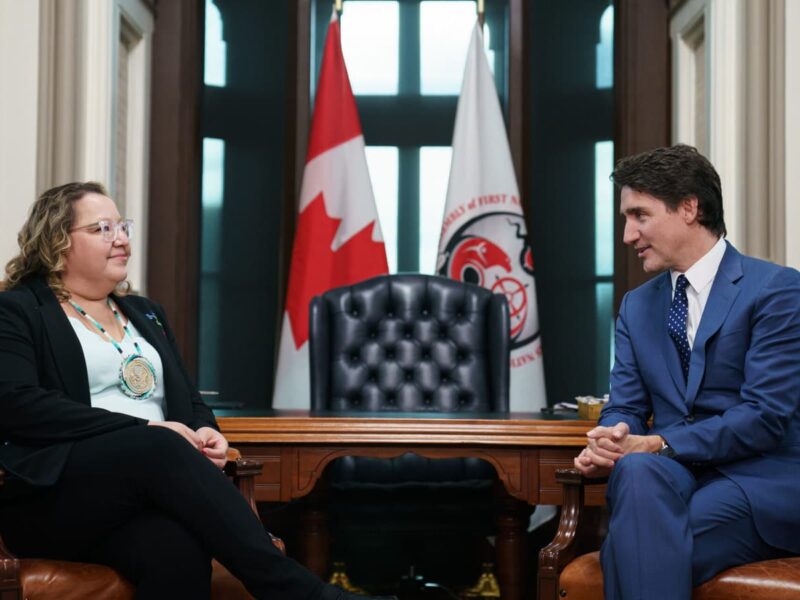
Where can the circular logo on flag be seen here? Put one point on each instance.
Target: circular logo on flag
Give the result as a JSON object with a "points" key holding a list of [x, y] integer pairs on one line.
{"points": [[492, 251]]}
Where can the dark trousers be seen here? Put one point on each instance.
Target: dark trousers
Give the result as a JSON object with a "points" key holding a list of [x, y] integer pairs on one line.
{"points": [[145, 502], [673, 528]]}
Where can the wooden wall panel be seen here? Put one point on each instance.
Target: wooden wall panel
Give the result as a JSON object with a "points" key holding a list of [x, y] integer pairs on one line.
{"points": [[175, 163], [642, 104]]}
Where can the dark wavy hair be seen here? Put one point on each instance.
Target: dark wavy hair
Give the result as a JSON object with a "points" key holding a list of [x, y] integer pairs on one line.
{"points": [[44, 239], [673, 174]]}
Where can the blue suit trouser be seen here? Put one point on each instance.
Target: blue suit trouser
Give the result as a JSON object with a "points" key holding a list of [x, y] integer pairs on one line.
{"points": [[673, 528]]}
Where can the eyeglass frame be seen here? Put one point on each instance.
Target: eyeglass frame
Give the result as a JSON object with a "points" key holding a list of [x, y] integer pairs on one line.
{"points": [[113, 231]]}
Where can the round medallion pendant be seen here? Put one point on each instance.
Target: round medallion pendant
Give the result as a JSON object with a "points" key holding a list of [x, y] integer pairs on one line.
{"points": [[137, 377]]}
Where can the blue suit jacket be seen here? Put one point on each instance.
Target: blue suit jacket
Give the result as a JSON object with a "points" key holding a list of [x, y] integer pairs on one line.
{"points": [[738, 408]]}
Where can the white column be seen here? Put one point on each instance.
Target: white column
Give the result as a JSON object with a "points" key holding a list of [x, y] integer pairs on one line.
{"points": [[726, 97], [792, 125], [97, 108], [19, 73]]}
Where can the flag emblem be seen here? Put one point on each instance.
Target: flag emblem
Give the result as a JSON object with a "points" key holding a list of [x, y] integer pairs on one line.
{"points": [[502, 262]]}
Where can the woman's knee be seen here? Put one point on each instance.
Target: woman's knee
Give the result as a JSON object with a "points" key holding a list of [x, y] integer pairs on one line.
{"points": [[128, 447], [156, 551]]}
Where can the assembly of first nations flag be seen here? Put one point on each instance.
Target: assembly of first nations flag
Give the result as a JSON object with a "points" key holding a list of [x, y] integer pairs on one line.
{"points": [[484, 238], [338, 239]]}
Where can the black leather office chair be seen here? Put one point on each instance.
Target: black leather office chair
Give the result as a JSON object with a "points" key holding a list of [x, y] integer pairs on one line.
{"points": [[410, 344]]}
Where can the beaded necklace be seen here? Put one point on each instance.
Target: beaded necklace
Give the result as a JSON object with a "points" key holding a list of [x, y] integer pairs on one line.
{"points": [[137, 375]]}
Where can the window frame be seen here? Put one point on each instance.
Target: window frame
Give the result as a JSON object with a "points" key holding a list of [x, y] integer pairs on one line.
{"points": [[437, 111]]}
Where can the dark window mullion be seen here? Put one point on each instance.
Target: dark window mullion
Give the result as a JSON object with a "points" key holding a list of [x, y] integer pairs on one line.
{"points": [[409, 56], [408, 156], [408, 209], [407, 120]]}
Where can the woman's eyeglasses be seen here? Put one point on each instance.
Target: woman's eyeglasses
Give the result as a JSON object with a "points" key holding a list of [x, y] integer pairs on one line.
{"points": [[108, 229]]}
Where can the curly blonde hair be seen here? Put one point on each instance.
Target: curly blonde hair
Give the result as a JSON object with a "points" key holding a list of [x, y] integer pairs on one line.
{"points": [[44, 239]]}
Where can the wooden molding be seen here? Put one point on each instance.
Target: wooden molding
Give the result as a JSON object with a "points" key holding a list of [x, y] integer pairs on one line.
{"points": [[175, 165], [406, 431], [642, 106]]}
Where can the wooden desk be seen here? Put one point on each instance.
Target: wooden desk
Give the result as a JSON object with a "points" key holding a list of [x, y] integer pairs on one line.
{"points": [[524, 448]]}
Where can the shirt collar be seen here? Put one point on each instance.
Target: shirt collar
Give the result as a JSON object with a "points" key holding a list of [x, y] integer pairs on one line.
{"points": [[702, 273]]}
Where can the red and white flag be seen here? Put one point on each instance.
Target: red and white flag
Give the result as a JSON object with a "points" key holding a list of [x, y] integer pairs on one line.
{"points": [[338, 239], [484, 239]]}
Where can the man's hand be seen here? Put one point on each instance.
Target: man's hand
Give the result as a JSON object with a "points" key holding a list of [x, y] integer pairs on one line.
{"points": [[215, 446], [642, 443], [182, 430], [606, 445], [616, 434], [585, 463]]}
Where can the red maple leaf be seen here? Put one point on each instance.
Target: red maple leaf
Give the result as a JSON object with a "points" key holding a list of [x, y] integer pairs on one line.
{"points": [[316, 268]]}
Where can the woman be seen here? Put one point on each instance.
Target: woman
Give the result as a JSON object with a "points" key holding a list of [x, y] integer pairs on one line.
{"points": [[111, 455]]}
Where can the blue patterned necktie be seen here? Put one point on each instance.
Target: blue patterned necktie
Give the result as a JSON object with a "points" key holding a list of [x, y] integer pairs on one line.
{"points": [[676, 323]]}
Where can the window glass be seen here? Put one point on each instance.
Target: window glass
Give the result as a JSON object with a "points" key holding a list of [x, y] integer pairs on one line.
{"points": [[210, 260], [215, 47], [604, 260], [603, 208], [604, 52], [382, 163], [370, 44], [434, 172], [604, 350], [571, 200], [445, 29]]}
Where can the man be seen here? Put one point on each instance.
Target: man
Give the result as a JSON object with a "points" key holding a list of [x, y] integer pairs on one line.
{"points": [[701, 436]]}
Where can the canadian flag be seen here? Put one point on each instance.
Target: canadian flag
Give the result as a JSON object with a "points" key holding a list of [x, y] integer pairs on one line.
{"points": [[484, 239], [338, 238]]}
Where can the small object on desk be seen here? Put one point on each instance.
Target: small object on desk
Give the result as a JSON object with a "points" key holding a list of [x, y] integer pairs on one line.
{"points": [[589, 407], [566, 406]]}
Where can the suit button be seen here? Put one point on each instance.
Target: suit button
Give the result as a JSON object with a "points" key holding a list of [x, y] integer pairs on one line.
{"points": [[689, 418]]}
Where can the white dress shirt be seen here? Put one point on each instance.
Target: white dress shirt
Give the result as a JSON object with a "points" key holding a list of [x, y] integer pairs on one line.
{"points": [[701, 277]]}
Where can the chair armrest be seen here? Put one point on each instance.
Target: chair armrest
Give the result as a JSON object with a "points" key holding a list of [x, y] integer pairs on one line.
{"points": [[243, 471], [10, 586], [559, 552]]}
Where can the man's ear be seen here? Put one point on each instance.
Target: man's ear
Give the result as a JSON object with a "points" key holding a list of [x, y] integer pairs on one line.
{"points": [[689, 208]]}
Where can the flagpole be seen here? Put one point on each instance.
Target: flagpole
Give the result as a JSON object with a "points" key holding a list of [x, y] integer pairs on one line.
{"points": [[481, 13]]}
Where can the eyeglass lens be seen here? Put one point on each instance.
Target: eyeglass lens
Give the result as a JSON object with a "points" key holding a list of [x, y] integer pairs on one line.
{"points": [[110, 231]]}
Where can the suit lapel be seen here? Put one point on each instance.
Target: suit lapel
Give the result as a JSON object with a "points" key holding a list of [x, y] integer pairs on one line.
{"points": [[147, 324], [723, 294], [66, 350]]}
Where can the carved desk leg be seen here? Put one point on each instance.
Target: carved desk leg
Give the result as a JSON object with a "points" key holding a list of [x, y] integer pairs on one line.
{"points": [[314, 535], [511, 544]]}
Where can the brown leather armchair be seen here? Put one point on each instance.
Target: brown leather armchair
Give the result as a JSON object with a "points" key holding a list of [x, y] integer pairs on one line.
{"points": [[40, 579], [563, 575]]}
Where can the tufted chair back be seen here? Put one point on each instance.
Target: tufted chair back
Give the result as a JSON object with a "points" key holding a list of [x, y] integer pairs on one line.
{"points": [[409, 343]]}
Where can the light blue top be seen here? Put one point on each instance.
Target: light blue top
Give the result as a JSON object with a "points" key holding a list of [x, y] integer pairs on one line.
{"points": [[102, 366]]}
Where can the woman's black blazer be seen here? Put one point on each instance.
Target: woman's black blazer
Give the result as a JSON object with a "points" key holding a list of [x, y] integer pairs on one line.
{"points": [[44, 389]]}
